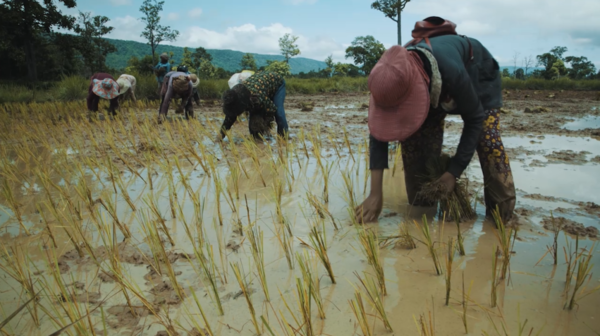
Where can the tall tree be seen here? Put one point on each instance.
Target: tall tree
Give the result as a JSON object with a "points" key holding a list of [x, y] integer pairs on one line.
{"points": [[27, 19], [392, 9], [366, 51], [92, 46], [580, 67], [330, 65], [199, 55], [248, 62], [288, 46], [527, 64], [549, 60], [186, 59], [515, 60], [282, 68], [154, 32]]}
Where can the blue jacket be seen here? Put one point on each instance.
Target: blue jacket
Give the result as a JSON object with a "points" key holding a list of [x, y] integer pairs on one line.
{"points": [[167, 67]]}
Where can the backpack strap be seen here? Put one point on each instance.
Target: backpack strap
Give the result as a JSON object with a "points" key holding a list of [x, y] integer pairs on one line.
{"points": [[471, 57]]}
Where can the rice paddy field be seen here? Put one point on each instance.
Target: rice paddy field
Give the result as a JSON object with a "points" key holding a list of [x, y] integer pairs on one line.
{"points": [[121, 226]]}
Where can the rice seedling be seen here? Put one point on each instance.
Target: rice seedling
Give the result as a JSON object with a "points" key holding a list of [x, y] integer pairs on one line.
{"points": [[452, 202], [374, 294], [349, 186], [465, 300], [503, 329], [209, 270], [428, 241], [285, 240], [325, 173], [426, 324], [556, 228], [18, 268], [504, 237], [244, 287], [152, 204], [358, 309], [370, 247], [319, 245], [206, 323], [449, 267], [304, 294], [347, 142], [584, 269], [320, 208], [255, 237], [15, 207], [251, 150], [494, 295], [397, 155], [110, 207], [312, 279]]}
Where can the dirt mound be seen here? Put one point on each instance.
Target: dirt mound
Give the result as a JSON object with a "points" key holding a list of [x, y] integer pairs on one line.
{"points": [[164, 293], [123, 316], [568, 156], [570, 227]]}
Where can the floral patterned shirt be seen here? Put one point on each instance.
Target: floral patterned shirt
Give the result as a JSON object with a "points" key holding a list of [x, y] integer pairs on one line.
{"points": [[262, 87]]}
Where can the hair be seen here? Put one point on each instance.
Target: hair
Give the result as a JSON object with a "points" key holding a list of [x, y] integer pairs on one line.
{"points": [[236, 100]]}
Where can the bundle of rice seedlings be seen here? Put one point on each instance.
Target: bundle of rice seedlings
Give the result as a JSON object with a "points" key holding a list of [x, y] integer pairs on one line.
{"points": [[455, 204]]}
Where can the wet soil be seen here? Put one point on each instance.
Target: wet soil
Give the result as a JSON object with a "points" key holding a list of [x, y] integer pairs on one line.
{"points": [[555, 171]]}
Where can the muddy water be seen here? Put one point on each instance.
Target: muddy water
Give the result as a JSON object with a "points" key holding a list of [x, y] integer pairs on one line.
{"points": [[534, 292]]}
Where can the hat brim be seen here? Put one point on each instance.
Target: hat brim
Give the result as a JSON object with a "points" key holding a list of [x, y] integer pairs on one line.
{"points": [[398, 123], [103, 93]]}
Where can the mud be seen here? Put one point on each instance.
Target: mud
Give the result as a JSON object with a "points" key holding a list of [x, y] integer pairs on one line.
{"points": [[554, 167]]}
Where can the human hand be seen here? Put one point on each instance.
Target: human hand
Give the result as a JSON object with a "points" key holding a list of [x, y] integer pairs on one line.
{"points": [[370, 209], [448, 181]]}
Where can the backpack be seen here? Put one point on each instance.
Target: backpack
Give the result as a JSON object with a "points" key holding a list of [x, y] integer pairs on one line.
{"points": [[435, 26]]}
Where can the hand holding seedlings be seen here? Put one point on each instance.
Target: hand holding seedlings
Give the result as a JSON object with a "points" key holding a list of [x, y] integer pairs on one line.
{"points": [[371, 207]]}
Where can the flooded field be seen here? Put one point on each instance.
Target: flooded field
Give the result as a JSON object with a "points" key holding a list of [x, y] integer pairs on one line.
{"points": [[126, 227]]}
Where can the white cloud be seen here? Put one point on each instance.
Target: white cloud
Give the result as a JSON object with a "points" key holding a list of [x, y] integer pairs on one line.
{"points": [[300, 2], [195, 13], [127, 28], [517, 17], [262, 40], [120, 2], [173, 16]]}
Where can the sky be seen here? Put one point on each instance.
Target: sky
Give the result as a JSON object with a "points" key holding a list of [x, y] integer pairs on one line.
{"points": [[507, 28]]}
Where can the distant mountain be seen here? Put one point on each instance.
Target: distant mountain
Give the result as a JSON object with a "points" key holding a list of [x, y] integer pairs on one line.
{"points": [[226, 59]]}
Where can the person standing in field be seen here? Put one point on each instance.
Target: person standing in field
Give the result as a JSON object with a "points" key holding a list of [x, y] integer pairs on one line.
{"points": [[127, 85], [412, 90], [103, 85], [262, 96], [162, 68], [176, 85]]}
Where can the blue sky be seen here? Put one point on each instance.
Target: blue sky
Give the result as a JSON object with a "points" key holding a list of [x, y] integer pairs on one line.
{"points": [[506, 27]]}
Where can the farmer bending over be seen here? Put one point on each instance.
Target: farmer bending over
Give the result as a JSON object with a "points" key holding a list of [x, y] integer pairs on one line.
{"points": [[103, 85], [412, 90], [127, 85], [195, 82], [262, 95], [176, 85]]}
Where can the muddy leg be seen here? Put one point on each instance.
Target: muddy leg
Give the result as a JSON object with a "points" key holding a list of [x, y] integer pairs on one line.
{"points": [[499, 187], [418, 149]]}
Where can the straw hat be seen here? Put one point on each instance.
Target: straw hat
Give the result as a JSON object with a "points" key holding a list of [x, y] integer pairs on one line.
{"points": [[195, 81], [106, 88], [124, 85], [399, 96], [181, 84]]}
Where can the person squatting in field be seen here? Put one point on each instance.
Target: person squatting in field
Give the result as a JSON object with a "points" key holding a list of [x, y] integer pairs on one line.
{"points": [[103, 85], [412, 90], [262, 95], [176, 85]]}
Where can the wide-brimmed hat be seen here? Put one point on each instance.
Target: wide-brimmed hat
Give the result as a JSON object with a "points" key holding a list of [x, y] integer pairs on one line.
{"points": [[399, 96], [181, 84], [106, 88], [124, 85], [195, 80]]}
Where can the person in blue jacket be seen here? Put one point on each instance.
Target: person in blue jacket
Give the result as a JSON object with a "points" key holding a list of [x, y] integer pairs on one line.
{"points": [[162, 68]]}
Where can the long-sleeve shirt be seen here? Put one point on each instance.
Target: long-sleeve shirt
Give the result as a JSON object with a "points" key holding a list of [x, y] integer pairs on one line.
{"points": [[167, 67], [131, 79], [168, 93], [474, 85], [262, 87], [93, 100]]}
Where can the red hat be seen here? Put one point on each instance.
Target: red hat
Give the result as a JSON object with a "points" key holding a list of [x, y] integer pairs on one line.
{"points": [[399, 96]]}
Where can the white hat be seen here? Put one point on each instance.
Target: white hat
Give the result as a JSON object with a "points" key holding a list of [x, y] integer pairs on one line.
{"points": [[124, 85]]}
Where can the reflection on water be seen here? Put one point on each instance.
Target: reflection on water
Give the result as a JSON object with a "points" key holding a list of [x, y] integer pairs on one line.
{"points": [[583, 123]]}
